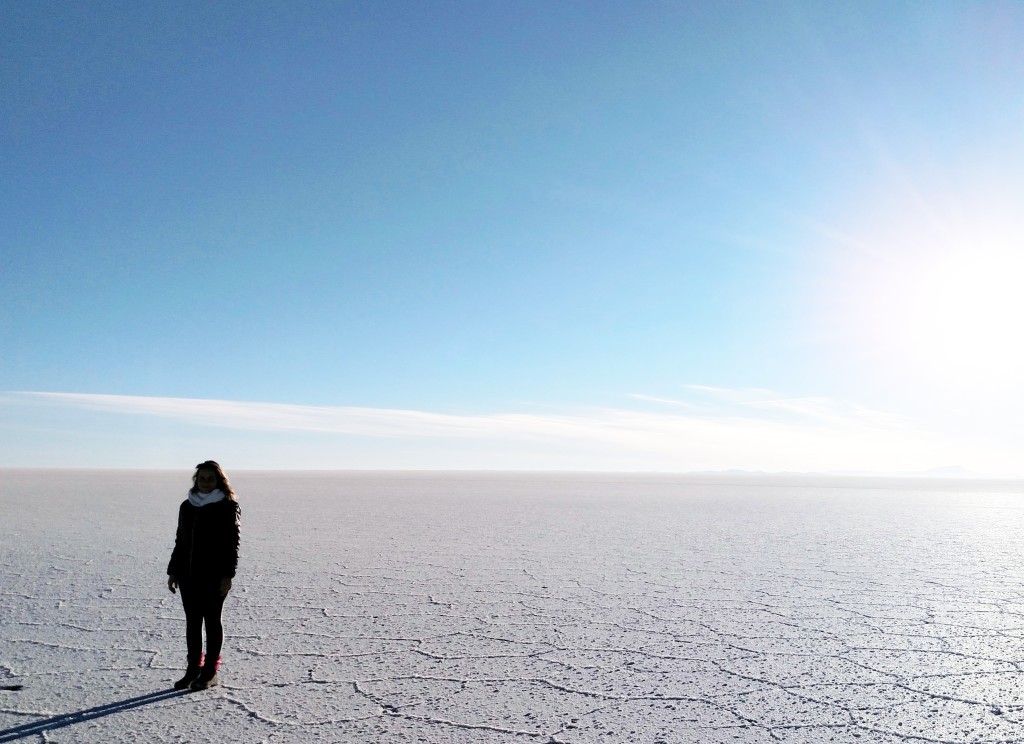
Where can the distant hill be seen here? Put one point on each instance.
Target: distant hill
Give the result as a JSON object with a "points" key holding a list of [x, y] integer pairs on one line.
{"points": [[946, 471]]}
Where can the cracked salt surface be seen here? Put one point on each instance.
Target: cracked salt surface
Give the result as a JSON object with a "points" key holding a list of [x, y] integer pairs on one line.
{"points": [[489, 608]]}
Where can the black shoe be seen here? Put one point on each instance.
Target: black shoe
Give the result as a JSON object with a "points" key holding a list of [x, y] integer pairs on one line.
{"points": [[191, 675], [203, 682]]}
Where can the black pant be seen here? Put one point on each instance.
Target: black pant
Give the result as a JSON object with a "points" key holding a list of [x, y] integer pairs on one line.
{"points": [[203, 602]]}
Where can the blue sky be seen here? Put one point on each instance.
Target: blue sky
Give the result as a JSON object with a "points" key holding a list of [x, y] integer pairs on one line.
{"points": [[637, 236]]}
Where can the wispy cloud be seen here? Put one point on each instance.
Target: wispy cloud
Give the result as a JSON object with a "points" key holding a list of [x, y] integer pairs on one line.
{"points": [[372, 422], [663, 401], [756, 406], [820, 409], [748, 429]]}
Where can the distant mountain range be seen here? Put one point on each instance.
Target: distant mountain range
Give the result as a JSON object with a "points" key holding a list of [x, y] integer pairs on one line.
{"points": [[947, 471]]}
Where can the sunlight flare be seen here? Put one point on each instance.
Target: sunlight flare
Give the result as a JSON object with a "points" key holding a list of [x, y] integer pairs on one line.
{"points": [[930, 289]]}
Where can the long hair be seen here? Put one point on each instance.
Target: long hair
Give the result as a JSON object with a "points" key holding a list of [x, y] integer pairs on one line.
{"points": [[222, 480]]}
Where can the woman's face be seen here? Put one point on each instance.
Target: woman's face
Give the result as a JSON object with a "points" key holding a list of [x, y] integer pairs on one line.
{"points": [[206, 481]]}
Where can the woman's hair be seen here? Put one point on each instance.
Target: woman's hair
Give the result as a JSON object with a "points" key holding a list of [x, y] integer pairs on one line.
{"points": [[222, 480]]}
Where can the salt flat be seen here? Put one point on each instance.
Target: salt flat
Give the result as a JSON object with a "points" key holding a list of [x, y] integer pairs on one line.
{"points": [[489, 608]]}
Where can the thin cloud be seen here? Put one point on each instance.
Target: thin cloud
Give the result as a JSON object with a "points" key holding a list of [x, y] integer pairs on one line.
{"points": [[755, 432], [830, 410], [373, 422], [754, 407], [664, 401], [736, 395], [759, 402]]}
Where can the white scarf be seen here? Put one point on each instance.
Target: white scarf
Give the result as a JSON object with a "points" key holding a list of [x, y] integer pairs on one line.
{"points": [[202, 499]]}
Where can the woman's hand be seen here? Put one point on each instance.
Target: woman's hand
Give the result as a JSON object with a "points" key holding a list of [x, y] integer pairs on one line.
{"points": [[172, 583], [225, 587]]}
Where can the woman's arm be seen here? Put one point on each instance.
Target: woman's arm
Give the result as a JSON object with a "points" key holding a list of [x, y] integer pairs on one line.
{"points": [[181, 538], [231, 539]]}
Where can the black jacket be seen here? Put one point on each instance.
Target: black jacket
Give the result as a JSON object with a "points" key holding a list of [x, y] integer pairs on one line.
{"points": [[206, 543]]}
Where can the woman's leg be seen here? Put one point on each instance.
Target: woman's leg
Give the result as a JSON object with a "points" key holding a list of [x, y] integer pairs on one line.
{"points": [[212, 603], [214, 629], [192, 602]]}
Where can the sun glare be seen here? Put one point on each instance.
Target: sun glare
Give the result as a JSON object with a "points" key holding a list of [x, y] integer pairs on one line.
{"points": [[964, 313], [939, 302]]}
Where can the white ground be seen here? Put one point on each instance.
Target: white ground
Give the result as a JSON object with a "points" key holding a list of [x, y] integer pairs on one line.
{"points": [[481, 609]]}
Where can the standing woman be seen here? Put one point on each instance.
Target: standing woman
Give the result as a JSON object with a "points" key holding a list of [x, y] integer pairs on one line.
{"points": [[202, 565]]}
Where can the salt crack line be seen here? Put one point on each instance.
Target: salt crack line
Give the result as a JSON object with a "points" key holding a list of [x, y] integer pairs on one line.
{"points": [[468, 726], [930, 740], [531, 680], [256, 714], [66, 647]]}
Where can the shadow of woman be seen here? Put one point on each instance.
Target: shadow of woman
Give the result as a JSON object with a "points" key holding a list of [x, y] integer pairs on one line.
{"points": [[69, 719]]}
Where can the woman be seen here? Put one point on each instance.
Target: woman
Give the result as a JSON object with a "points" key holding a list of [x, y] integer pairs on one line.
{"points": [[202, 565]]}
